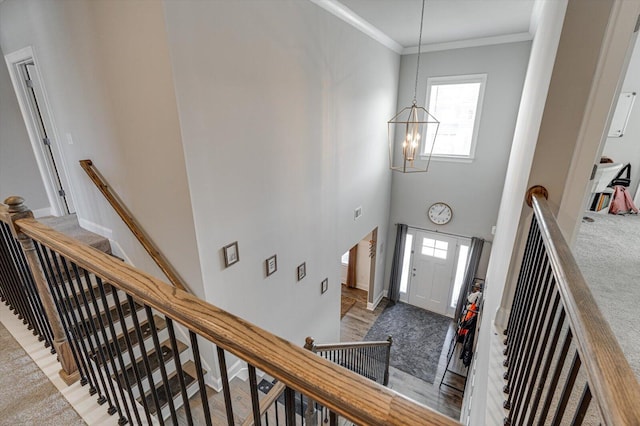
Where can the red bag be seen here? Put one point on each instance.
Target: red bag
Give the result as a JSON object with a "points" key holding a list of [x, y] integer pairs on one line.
{"points": [[622, 203]]}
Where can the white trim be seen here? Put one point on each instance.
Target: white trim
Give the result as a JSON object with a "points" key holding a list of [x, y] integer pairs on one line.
{"points": [[356, 21], [13, 61], [95, 228], [459, 79], [45, 211], [374, 305], [474, 42]]}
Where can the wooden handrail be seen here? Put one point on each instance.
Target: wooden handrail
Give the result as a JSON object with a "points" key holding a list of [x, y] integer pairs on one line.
{"points": [[356, 398], [311, 345], [611, 379], [134, 226]]}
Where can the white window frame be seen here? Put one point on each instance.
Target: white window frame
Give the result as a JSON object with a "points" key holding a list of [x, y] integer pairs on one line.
{"points": [[459, 79]]}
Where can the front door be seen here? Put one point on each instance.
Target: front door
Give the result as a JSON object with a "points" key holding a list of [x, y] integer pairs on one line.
{"points": [[432, 271]]}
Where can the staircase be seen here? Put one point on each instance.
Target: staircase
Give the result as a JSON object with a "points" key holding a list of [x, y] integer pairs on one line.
{"points": [[123, 353]]}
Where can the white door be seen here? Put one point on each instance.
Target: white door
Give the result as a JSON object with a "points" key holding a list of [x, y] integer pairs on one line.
{"points": [[432, 271], [37, 115]]}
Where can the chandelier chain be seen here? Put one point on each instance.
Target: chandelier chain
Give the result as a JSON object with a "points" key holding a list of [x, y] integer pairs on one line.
{"points": [[415, 89]]}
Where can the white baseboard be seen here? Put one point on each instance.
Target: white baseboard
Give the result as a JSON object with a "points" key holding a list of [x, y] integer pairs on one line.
{"points": [[372, 306], [116, 250], [42, 212], [240, 370], [95, 228]]}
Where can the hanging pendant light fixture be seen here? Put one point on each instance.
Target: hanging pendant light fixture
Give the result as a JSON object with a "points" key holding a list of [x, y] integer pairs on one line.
{"points": [[412, 131]]}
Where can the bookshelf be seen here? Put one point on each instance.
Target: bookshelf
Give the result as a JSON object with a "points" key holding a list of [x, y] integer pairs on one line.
{"points": [[600, 201]]}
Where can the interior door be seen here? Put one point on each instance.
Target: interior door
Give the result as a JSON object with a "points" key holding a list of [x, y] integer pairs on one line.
{"points": [[432, 271]]}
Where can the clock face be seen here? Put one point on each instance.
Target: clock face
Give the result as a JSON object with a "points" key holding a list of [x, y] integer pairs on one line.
{"points": [[440, 213]]}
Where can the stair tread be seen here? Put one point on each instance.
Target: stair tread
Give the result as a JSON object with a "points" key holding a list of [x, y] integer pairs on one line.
{"points": [[167, 355], [189, 374], [126, 310], [69, 225], [96, 292], [121, 346]]}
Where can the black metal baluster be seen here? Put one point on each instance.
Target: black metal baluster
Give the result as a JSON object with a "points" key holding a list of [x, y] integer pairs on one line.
{"points": [[79, 326], [547, 364], [23, 274], [21, 307], [567, 389], [145, 360], [108, 357], [533, 323], [290, 406], [178, 364], [115, 346], [86, 375], [200, 373], [83, 331], [554, 380], [132, 357], [333, 419], [516, 340], [522, 403], [163, 370], [583, 406], [222, 363], [255, 400], [302, 408], [516, 304]]}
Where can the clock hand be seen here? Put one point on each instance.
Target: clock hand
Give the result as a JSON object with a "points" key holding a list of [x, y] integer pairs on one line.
{"points": [[441, 211]]}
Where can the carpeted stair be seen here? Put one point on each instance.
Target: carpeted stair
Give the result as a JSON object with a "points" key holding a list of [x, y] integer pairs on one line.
{"points": [[69, 226]]}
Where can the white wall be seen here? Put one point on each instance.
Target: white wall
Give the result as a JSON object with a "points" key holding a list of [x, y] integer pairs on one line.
{"points": [[106, 71], [626, 149], [19, 173], [473, 190], [525, 136], [283, 111]]}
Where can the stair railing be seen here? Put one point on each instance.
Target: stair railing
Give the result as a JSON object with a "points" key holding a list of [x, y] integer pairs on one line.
{"points": [[135, 227], [84, 281], [561, 354], [23, 288], [368, 359]]}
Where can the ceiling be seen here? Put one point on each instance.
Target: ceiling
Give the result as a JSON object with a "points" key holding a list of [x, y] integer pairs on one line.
{"points": [[445, 20]]}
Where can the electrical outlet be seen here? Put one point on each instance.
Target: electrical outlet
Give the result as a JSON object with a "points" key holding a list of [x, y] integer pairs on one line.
{"points": [[493, 230], [357, 213]]}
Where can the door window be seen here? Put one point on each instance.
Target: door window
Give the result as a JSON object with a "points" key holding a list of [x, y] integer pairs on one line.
{"points": [[435, 248]]}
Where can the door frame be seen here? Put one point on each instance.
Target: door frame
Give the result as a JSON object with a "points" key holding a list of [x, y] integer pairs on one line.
{"points": [[404, 297], [14, 60]]}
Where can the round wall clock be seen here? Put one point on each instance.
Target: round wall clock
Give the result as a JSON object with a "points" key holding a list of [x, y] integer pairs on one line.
{"points": [[440, 213]]}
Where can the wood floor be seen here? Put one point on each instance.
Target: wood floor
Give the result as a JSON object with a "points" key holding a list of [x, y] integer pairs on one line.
{"points": [[354, 326]]}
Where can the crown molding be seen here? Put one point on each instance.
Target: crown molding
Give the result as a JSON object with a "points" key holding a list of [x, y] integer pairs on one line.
{"points": [[350, 17], [474, 42]]}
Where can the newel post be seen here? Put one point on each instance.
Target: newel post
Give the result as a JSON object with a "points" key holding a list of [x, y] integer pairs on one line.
{"points": [[310, 414], [17, 210]]}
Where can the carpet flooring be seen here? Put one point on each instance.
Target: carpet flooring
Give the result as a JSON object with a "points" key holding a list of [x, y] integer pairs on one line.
{"points": [[418, 336], [606, 251], [27, 395]]}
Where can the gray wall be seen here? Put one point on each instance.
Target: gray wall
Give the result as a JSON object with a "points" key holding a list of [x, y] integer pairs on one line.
{"points": [[473, 190], [106, 71], [283, 111], [19, 173]]}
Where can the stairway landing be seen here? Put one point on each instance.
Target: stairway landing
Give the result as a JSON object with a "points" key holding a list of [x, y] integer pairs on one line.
{"points": [[69, 226]]}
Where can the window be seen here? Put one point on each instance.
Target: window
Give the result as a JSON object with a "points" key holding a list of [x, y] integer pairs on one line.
{"points": [[460, 270], [406, 262], [456, 102], [434, 248], [345, 258]]}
